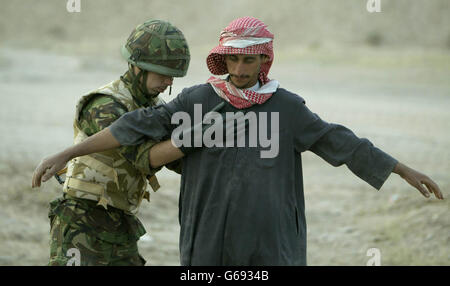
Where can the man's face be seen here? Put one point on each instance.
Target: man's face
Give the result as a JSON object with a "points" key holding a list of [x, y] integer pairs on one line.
{"points": [[156, 83], [244, 69]]}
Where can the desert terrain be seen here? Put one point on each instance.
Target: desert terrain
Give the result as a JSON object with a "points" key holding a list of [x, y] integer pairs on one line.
{"points": [[395, 92]]}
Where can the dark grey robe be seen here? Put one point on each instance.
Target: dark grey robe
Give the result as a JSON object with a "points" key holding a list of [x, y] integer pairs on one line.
{"points": [[236, 208]]}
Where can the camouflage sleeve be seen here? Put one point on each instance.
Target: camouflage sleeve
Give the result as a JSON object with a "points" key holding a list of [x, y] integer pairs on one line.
{"points": [[98, 114]]}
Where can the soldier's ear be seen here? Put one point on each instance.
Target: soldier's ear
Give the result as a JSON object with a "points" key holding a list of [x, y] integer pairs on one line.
{"points": [[136, 70]]}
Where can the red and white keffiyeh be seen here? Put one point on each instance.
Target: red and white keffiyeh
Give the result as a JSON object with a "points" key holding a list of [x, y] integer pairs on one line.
{"points": [[248, 36]]}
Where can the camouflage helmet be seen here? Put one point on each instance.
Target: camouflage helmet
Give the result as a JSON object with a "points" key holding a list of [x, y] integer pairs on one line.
{"points": [[159, 47]]}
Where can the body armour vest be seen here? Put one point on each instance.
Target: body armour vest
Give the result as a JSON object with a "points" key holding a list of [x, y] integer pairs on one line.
{"points": [[107, 177]]}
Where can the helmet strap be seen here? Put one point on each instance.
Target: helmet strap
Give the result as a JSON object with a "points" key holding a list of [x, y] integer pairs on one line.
{"points": [[144, 77], [138, 86]]}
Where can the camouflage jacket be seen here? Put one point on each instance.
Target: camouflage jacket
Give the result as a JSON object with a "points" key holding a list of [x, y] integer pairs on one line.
{"points": [[116, 177], [99, 113]]}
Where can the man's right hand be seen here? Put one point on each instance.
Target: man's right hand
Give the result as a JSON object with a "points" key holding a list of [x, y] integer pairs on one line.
{"points": [[48, 168], [98, 142]]}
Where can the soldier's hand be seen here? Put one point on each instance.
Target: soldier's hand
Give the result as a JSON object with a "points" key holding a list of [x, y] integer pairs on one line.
{"points": [[48, 168], [417, 180]]}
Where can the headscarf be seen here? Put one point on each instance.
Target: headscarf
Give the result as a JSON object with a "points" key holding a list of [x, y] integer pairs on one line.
{"points": [[249, 36]]}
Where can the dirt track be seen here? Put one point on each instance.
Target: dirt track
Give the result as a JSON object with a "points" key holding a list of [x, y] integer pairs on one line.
{"points": [[403, 109]]}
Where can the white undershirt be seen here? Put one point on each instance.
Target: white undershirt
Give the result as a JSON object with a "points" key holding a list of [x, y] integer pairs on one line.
{"points": [[255, 87]]}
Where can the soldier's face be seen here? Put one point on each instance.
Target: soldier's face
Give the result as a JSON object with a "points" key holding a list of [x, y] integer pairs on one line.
{"points": [[244, 69], [156, 83]]}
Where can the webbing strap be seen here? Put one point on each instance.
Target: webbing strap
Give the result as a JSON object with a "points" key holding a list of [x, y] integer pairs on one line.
{"points": [[99, 166], [153, 181], [88, 187]]}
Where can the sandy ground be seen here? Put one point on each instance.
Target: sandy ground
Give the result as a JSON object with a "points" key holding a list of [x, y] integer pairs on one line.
{"points": [[402, 106]]}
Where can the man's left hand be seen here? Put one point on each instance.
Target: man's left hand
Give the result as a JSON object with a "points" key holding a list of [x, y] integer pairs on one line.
{"points": [[417, 180]]}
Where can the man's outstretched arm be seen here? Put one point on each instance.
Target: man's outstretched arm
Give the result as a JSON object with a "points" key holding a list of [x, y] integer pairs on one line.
{"points": [[160, 154], [133, 128], [48, 167], [163, 153], [338, 145]]}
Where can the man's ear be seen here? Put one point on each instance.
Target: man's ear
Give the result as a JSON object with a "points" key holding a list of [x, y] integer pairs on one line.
{"points": [[265, 58]]}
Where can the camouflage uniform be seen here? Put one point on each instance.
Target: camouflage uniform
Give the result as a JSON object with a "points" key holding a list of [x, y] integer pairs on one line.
{"points": [[103, 237], [103, 191]]}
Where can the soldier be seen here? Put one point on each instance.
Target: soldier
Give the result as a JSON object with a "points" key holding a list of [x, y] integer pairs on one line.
{"points": [[103, 191]]}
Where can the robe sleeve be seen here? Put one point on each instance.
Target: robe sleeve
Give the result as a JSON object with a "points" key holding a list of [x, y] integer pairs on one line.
{"points": [[151, 123], [338, 145]]}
